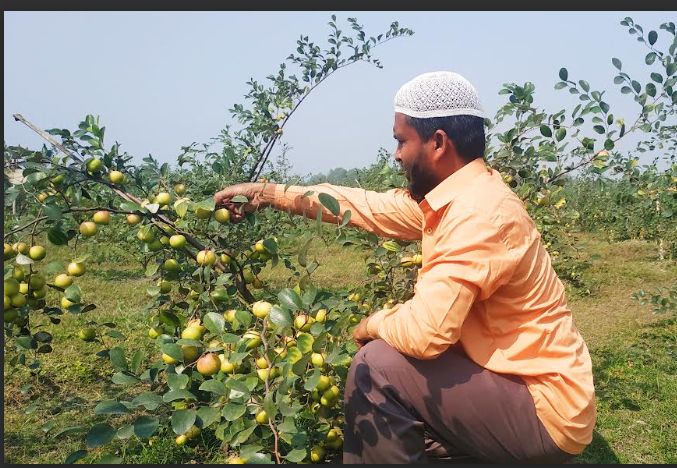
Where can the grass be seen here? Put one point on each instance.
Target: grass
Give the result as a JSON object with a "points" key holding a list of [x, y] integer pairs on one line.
{"points": [[633, 352]]}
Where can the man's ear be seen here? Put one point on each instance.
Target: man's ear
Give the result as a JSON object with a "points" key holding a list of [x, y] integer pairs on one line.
{"points": [[441, 144]]}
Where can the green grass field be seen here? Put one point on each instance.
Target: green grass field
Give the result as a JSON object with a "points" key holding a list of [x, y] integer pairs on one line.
{"points": [[633, 351]]}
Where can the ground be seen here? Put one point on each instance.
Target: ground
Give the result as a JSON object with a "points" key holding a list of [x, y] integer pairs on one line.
{"points": [[633, 353]]}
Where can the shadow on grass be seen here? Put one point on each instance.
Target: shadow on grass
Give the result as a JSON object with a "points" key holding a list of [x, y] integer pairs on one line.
{"points": [[599, 451], [625, 380]]}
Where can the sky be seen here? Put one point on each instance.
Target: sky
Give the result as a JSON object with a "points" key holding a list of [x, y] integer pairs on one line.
{"points": [[163, 80]]}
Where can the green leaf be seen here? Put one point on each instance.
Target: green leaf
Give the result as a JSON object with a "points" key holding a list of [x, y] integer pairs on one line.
{"points": [[270, 245], [650, 58], [303, 252], [214, 322], [239, 199], [149, 400], [73, 293], [289, 299], [113, 333], [243, 436], [233, 411], [208, 415], [22, 259], [178, 395], [279, 317], [599, 129], [617, 63], [560, 85], [125, 432], [110, 407], [653, 36], [35, 177], [109, 459], [657, 77], [151, 269], [563, 74], [67, 430], [75, 456], [182, 420], [100, 434], [560, 134], [48, 426], [213, 386], [259, 459], [136, 360], [330, 203], [651, 89], [130, 206], [671, 68], [117, 358], [152, 207], [43, 337], [309, 295], [207, 204], [318, 221], [237, 385], [313, 380], [173, 350], [320, 342], [636, 86], [545, 131], [177, 381], [296, 455], [181, 207], [304, 342], [26, 342], [53, 212], [56, 236], [294, 355], [346, 217], [120, 378], [584, 84]]}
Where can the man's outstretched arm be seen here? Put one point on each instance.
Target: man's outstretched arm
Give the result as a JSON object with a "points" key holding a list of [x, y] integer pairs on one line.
{"points": [[389, 214]]}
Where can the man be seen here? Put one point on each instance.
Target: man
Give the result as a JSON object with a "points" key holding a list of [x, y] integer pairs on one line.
{"points": [[484, 361]]}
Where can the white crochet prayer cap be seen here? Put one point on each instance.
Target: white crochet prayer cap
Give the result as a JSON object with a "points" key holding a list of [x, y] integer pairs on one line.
{"points": [[438, 94]]}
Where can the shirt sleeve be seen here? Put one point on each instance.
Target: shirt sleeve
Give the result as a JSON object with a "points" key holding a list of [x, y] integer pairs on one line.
{"points": [[470, 260], [391, 214]]}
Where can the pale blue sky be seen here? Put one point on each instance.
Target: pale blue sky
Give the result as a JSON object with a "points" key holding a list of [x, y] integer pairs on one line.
{"points": [[162, 80]]}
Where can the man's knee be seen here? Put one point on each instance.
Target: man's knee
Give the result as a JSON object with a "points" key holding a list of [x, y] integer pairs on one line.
{"points": [[379, 354]]}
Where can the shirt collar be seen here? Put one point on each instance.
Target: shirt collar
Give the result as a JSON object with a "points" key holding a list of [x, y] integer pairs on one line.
{"points": [[450, 187]]}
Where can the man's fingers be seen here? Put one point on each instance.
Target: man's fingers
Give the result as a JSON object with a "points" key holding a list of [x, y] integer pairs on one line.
{"points": [[222, 197]]}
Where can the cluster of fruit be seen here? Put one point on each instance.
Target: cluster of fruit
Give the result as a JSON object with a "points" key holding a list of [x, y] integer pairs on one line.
{"points": [[23, 287]]}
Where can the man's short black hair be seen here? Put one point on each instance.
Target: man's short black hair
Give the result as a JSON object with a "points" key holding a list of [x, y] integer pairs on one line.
{"points": [[466, 131]]}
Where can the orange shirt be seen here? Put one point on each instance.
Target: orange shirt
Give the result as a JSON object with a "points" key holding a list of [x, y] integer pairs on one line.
{"points": [[486, 281]]}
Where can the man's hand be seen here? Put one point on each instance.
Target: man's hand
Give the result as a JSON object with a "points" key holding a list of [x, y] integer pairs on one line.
{"points": [[238, 211], [360, 335]]}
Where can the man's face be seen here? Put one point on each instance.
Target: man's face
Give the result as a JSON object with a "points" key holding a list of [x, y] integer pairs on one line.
{"points": [[413, 154]]}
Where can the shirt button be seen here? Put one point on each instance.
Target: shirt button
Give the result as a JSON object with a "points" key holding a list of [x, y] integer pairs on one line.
{"points": [[428, 230]]}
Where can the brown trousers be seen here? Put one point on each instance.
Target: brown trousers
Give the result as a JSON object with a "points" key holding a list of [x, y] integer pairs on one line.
{"points": [[404, 410]]}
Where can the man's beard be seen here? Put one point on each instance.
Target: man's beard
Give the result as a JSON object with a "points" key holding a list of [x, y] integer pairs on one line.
{"points": [[420, 180]]}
